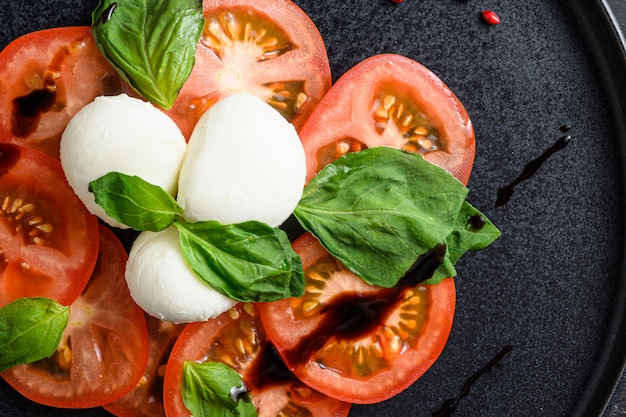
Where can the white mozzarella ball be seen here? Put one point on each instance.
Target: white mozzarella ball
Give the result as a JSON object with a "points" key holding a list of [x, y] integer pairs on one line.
{"points": [[244, 162], [120, 134], [162, 283]]}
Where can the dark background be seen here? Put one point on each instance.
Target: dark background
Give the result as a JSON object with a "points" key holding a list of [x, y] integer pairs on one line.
{"points": [[553, 285]]}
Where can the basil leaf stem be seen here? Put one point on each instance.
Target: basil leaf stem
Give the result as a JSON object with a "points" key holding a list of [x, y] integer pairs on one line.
{"points": [[151, 43], [30, 330], [213, 389], [249, 261], [135, 202], [380, 209]]}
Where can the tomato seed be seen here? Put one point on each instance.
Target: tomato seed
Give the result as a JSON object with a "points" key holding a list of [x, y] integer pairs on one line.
{"points": [[491, 17]]}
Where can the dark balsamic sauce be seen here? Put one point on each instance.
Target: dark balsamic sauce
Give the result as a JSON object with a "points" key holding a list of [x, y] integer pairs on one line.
{"points": [[9, 155], [268, 370], [505, 193], [450, 405], [352, 315], [476, 222], [28, 110]]}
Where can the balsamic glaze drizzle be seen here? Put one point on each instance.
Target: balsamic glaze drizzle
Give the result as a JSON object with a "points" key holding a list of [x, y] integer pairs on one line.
{"points": [[450, 405], [505, 193]]}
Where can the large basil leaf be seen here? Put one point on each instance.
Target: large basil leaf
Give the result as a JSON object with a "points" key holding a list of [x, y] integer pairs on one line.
{"points": [[248, 261], [30, 330], [213, 389], [151, 43], [135, 202], [380, 209]]}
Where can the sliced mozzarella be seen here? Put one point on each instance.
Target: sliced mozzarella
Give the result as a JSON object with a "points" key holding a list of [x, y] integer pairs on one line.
{"points": [[244, 162], [162, 283], [120, 134]]}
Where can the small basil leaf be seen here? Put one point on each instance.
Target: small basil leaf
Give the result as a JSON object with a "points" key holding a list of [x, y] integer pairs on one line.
{"points": [[135, 202], [30, 330], [380, 209], [249, 261], [213, 389], [152, 43]]}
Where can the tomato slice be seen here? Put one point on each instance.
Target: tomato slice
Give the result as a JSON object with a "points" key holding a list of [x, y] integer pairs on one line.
{"points": [[104, 349], [237, 338], [146, 399], [353, 341], [48, 239], [268, 48], [45, 78], [390, 100]]}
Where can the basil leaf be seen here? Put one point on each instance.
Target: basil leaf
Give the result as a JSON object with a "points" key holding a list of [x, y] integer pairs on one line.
{"points": [[135, 202], [213, 389], [151, 43], [380, 209], [472, 231], [30, 330], [248, 261]]}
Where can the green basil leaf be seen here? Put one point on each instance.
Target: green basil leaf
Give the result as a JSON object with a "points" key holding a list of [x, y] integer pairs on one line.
{"points": [[380, 209], [249, 261], [213, 389], [151, 43], [472, 231], [135, 202], [30, 330]]}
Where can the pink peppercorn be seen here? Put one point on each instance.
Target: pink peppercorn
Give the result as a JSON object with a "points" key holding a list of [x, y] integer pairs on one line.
{"points": [[491, 17]]}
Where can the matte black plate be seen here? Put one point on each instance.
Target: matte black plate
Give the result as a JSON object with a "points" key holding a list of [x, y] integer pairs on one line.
{"points": [[553, 286]]}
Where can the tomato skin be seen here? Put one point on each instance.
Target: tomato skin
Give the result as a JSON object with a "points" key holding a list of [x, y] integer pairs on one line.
{"points": [[243, 62], [48, 239], [347, 113], [104, 349], [364, 362], [237, 338], [45, 78]]}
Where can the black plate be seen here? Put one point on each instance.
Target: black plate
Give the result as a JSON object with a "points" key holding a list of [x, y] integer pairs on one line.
{"points": [[553, 286]]}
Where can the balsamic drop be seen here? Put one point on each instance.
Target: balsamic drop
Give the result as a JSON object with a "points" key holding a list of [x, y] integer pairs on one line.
{"points": [[449, 406], [505, 193]]}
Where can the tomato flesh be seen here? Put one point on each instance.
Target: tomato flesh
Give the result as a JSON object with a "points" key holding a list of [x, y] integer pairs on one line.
{"points": [[270, 49], [104, 349], [45, 78], [353, 341], [146, 399], [390, 100], [48, 239], [237, 338]]}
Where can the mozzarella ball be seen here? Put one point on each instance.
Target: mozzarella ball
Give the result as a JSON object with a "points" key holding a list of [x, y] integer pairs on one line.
{"points": [[244, 162], [120, 134], [162, 283]]}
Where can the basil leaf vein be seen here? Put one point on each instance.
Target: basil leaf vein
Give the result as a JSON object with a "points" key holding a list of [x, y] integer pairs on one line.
{"points": [[249, 261], [151, 43], [30, 330]]}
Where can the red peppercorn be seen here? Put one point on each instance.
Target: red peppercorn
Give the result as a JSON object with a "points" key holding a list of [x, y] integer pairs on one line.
{"points": [[397, 1], [491, 17]]}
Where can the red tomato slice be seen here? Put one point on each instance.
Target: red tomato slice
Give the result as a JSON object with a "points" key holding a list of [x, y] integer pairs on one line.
{"points": [[104, 349], [48, 239], [390, 100], [146, 399], [45, 78], [237, 338], [352, 341], [268, 48]]}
